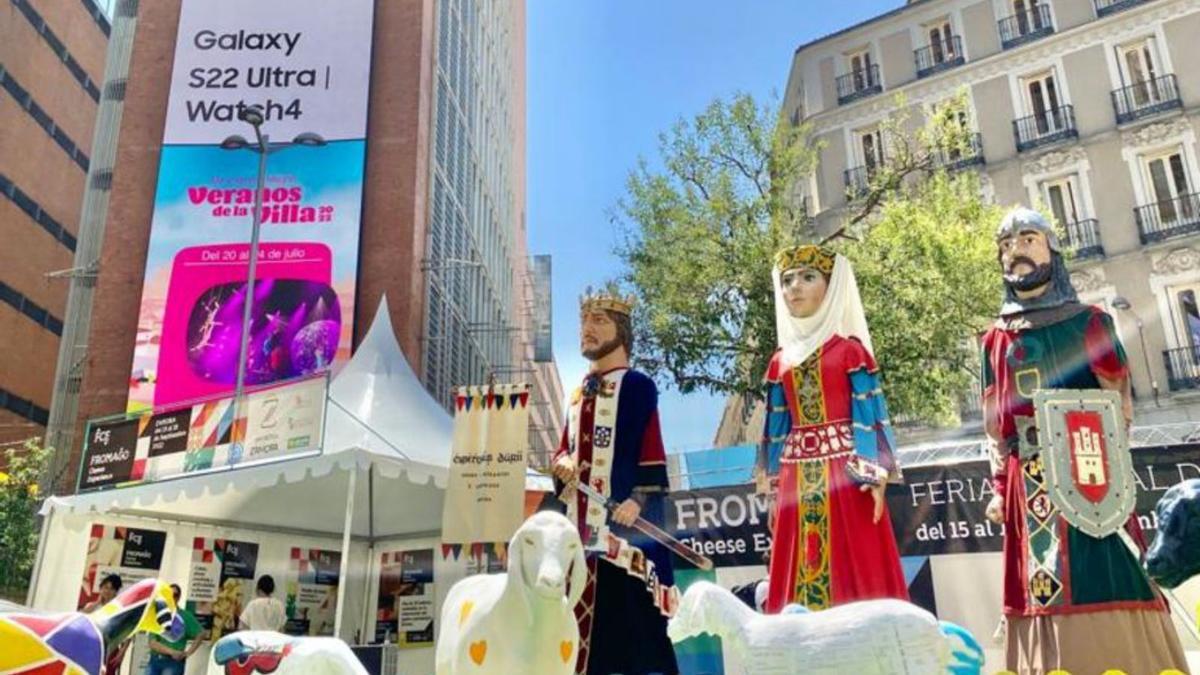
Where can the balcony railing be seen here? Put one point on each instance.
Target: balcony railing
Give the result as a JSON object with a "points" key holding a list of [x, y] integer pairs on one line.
{"points": [[1032, 24], [859, 84], [1083, 238], [957, 158], [1146, 98], [858, 180], [939, 55], [1183, 368], [1044, 128], [1106, 7], [1169, 218]]}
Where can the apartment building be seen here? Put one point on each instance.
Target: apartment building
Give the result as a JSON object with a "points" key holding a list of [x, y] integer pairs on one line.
{"points": [[1086, 107]]}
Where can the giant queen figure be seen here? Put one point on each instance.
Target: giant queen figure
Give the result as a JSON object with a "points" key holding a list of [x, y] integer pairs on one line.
{"points": [[827, 451], [1072, 601]]}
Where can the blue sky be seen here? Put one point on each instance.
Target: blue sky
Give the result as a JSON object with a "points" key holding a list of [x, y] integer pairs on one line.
{"points": [[605, 77]]}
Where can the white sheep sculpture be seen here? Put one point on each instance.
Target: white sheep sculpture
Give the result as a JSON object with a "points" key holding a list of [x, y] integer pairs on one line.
{"points": [[249, 652], [873, 637], [521, 621]]}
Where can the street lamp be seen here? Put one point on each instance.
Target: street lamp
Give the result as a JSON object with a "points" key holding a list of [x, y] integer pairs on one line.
{"points": [[1123, 304], [253, 115]]}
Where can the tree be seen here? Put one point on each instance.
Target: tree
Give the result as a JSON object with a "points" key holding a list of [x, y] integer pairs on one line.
{"points": [[701, 232], [19, 503]]}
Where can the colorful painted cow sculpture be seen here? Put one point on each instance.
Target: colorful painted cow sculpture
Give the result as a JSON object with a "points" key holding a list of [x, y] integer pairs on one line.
{"points": [[252, 652], [73, 643], [1174, 557]]}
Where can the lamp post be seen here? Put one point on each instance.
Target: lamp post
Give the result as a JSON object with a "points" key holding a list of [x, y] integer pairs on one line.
{"points": [[253, 115], [1122, 304]]}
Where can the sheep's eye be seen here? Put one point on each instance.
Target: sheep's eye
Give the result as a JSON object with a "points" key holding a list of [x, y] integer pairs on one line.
{"points": [[529, 541]]}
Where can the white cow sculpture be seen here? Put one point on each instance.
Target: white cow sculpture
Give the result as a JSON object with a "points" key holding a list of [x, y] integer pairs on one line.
{"points": [[250, 652], [521, 621], [874, 637]]}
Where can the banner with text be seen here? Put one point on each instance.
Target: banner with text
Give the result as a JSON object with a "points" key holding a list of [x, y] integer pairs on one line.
{"points": [[485, 493], [307, 63], [404, 608], [221, 582], [131, 553], [284, 420], [312, 590], [939, 509]]}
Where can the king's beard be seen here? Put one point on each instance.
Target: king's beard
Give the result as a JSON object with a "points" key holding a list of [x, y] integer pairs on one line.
{"points": [[603, 350], [1023, 283]]}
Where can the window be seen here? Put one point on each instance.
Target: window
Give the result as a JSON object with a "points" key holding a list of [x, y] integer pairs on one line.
{"points": [[1139, 67], [1041, 98], [941, 40], [1187, 315], [1166, 180], [1062, 195], [1029, 15], [860, 67], [869, 149]]}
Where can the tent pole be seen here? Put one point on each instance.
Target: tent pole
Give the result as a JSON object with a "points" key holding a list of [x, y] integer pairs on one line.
{"points": [[366, 615], [345, 564], [41, 554]]}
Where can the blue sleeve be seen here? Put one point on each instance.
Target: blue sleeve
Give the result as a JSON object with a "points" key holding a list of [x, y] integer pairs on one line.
{"points": [[874, 439], [775, 430]]}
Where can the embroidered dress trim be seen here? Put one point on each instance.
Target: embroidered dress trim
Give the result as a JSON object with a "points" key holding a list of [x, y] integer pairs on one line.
{"points": [[813, 585], [630, 558], [818, 442], [593, 421]]}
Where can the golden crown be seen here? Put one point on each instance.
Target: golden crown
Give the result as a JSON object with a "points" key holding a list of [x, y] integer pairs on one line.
{"points": [[810, 256], [607, 299]]}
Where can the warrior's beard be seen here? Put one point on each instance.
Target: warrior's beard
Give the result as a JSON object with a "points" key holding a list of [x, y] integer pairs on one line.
{"points": [[603, 350], [1040, 276]]}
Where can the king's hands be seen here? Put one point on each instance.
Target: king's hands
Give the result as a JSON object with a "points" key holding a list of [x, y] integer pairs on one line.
{"points": [[876, 495], [627, 512], [564, 469]]}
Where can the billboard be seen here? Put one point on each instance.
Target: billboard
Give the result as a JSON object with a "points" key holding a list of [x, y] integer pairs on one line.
{"points": [[307, 63], [284, 420]]}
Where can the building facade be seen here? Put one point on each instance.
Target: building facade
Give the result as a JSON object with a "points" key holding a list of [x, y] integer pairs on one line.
{"points": [[51, 71], [1086, 108], [442, 226]]}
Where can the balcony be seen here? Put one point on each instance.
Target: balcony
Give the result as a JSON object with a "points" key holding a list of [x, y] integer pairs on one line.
{"points": [[858, 180], [1169, 218], [1083, 239], [1146, 98], [1106, 7], [955, 159], [1025, 27], [858, 84], [1044, 128], [1183, 368], [939, 56]]}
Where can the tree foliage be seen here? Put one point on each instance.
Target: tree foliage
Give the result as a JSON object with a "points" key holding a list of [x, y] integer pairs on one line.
{"points": [[700, 234], [19, 503]]}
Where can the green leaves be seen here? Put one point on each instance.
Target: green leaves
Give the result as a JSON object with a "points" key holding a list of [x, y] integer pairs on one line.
{"points": [[700, 235], [19, 503]]}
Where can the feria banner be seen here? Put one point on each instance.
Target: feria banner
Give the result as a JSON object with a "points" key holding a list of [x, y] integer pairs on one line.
{"points": [[485, 494], [307, 63]]}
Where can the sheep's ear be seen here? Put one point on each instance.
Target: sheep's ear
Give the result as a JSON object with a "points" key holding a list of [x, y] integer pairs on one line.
{"points": [[515, 556], [578, 575]]}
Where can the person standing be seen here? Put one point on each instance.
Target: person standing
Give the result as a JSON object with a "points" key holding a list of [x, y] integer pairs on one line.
{"points": [[1071, 601], [169, 657], [612, 442], [264, 612], [109, 587], [827, 451]]}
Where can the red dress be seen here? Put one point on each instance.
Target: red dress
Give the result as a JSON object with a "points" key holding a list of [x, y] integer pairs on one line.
{"points": [[825, 414]]}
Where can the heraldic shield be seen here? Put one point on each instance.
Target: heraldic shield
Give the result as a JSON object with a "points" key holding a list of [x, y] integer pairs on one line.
{"points": [[1085, 455]]}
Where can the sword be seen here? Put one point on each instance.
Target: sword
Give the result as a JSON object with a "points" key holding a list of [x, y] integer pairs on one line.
{"points": [[644, 526]]}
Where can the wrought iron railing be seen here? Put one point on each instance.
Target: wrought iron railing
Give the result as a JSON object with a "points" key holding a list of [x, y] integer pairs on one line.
{"points": [[1044, 128], [1083, 238], [1168, 218], [958, 158], [939, 55], [1106, 7], [858, 84], [1143, 99], [1022, 27], [1183, 368]]}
